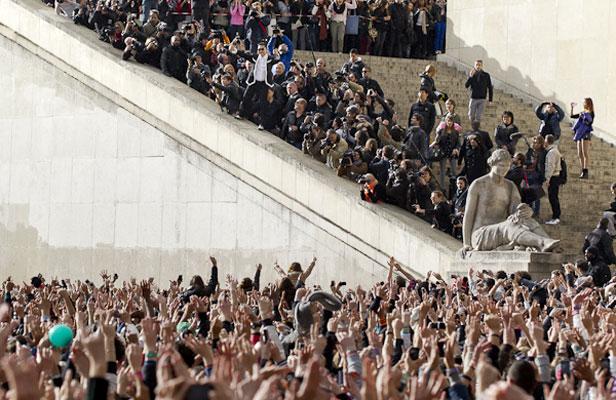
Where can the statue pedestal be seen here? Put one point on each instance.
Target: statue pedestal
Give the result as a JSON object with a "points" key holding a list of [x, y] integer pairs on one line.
{"points": [[539, 265]]}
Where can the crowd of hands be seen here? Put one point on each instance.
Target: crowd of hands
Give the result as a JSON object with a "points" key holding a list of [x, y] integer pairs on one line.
{"points": [[403, 338]]}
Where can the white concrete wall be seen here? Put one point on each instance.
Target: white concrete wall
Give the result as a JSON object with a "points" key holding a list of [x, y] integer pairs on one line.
{"points": [[86, 186], [306, 189], [560, 50]]}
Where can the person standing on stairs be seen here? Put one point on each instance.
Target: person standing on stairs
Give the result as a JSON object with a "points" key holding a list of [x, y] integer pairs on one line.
{"points": [[550, 114], [582, 132], [480, 85], [552, 177]]}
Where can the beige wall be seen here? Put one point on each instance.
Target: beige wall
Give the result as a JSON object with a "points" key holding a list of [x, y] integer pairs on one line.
{"points": [[561, 50]]}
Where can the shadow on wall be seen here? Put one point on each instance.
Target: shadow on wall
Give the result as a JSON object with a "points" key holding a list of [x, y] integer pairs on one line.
{"points": [[493, 66]]}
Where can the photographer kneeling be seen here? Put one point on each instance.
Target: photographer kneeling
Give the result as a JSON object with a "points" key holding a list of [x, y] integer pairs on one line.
{"points": [[372, 190]]}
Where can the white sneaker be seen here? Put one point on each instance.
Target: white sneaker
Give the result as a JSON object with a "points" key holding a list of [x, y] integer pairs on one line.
{"points": [[260, 127], [552, 221]]}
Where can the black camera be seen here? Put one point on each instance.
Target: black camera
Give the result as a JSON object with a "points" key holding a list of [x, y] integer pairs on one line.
{"points": [[325, 143]]}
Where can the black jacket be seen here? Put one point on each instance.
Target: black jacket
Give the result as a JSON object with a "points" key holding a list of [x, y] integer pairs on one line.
{"points": [[354, 67], [397, 188], [231, 97], [602, 240], [516, 175], [173, 62], [416, 144], [481, 85], [502, 136], [441, 217], [371, 84], [427, 111], [600, 272], [202, 291]]}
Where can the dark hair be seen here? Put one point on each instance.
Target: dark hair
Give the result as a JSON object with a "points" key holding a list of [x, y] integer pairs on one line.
{"points": [[197, 281], [508, 114], [522, 373], [418, 117], [389, 151], [475, 125]]}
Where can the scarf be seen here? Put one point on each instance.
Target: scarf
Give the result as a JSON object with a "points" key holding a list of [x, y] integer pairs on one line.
{"points": [[338, 9]]}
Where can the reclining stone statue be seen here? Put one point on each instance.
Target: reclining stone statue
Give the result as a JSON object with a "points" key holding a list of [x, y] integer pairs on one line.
{"points": [[494, 219], [491, 198], [519, 232]]}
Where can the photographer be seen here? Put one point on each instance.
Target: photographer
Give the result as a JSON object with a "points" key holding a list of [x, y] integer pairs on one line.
{"points": [[380, 165], [173, 61], [440, 214], [291, 125], [321, 106], [397, 186], [313, 138], [352, 165], [280, 45], [256, 28], [372, 191], [446, 150], [415, 144], [420, 189], [149, 54], [102, 20], [459, 203], [196, 75], [333, 148], [368, 83]]}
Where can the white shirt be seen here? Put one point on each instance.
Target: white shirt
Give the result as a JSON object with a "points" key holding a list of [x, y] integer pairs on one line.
{"points": [[552, 162], [261, 69]]}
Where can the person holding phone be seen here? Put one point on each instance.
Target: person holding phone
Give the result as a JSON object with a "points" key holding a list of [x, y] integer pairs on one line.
{"points": [[582, 132], [480, 84]]}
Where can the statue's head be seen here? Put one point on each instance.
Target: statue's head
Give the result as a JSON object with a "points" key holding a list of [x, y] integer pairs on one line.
{"points": [[500, 162]]}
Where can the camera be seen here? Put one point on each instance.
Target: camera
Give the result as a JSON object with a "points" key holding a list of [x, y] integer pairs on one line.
{"points": [[325, 143]]}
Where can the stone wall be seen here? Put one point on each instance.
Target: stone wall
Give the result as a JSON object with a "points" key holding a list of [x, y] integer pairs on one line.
{"points": [[261, 199], [560, 50]]}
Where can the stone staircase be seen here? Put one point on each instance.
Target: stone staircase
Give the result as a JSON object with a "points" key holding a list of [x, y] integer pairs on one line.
{"points": [[582, 201]]}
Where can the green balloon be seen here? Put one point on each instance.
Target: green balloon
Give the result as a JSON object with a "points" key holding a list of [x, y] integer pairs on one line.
{"points": [[60, 335], [182, 326]]}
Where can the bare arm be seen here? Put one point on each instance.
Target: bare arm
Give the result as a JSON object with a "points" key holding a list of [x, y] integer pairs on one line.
{"points": [[469, 215]]}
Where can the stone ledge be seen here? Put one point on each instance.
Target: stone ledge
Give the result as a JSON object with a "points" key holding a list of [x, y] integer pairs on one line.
{"points": [[538, 264], [167, 103]]}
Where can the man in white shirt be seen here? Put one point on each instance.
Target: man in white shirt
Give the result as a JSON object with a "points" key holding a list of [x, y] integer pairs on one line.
{"points": [[259, 79], [552, 177]]}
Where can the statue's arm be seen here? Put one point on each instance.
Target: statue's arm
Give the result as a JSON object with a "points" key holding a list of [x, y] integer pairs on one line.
{"points": [[515, 198], [469, 215]]}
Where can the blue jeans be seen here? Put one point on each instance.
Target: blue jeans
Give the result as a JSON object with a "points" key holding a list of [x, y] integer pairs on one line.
{"points": [[439, 36], [148, 5]]}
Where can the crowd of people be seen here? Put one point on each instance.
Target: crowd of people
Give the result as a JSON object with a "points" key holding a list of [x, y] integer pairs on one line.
{"points": [[485, 335], [395, 28], [341, 116]]}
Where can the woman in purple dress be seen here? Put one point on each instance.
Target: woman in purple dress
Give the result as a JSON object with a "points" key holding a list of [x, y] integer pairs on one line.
{"points": [[582, 132]]}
